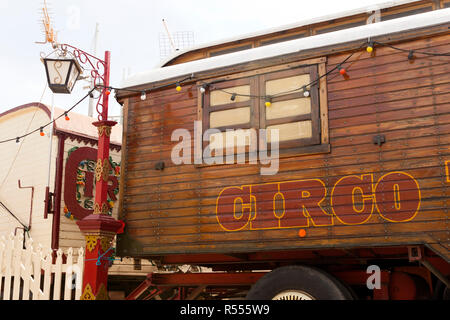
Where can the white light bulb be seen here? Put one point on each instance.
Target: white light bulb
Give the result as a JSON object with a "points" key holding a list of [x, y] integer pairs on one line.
{"points": [[306, 94], [143, 96]]}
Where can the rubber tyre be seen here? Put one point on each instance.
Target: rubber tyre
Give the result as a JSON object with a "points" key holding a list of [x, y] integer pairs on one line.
{"points": [[312, 281]]}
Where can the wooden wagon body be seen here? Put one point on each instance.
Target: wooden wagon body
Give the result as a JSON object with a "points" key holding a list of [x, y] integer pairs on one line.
{"points": [[363, 166]]}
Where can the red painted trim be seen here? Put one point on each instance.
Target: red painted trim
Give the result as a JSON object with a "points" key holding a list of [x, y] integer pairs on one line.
{"points": [[210, 279], [440, 264], [195, 279], [28, 105], [91, 141], [58, 190]]}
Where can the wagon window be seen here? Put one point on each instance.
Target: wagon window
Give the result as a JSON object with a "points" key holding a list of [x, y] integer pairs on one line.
{"points": [[228, 106], [294, 109], [236, 109]]}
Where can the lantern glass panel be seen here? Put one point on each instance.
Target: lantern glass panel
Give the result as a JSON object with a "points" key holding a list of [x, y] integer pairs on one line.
{"points": [[73, 76], [58, 71]]}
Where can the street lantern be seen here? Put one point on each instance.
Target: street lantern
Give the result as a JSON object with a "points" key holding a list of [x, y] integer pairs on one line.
{"points": [[99, 228], [61, 74]]}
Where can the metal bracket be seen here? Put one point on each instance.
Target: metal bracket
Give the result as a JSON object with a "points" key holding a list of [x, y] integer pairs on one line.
{"points": [[379, 139], [160, 166], [414, 253]]}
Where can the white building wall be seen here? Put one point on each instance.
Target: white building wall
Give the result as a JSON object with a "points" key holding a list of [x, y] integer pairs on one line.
{"points": [[27, 161]]}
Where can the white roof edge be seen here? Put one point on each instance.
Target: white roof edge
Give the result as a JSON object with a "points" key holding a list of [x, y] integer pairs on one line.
{"points": [[341, 14], [417, 21]]}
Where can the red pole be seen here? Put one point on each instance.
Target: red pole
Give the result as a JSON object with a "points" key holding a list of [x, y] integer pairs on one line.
{"points": [[99, 228]]}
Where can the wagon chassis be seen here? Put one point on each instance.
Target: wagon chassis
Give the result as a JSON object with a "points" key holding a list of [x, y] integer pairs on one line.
{"points": [[232, 279]]}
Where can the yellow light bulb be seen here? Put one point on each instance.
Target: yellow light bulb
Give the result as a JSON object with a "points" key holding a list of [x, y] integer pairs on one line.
{"points": [[268, 104], [369, 49], [178, 88]]}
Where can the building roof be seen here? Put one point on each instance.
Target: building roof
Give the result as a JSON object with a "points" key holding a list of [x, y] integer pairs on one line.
{"points": [[361, 33], [79, 125], [337, 15]]}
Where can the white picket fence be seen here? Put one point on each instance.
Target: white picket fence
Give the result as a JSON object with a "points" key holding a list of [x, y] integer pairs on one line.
{"points": [[29, 274]]}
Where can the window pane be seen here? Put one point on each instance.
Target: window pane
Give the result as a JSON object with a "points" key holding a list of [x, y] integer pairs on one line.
{"points": [[278, 86], [220, 97], [292, 131], [229, 117], [288, 108], [235, 138]]}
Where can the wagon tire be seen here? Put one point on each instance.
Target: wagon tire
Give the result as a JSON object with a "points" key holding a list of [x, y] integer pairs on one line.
{"points": [[298, 283]]}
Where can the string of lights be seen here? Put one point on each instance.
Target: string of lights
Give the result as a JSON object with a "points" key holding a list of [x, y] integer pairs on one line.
{"points": [[89, 94], [143, 93], [41, 128], [303, 89], [370, 47]]}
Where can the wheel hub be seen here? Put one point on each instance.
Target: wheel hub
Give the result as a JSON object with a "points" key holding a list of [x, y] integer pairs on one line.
{"points": [[293, 295]]}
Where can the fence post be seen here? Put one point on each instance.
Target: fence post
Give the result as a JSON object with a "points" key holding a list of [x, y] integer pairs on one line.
{"points": [[80, 274], [69, 272], [2, 260], [28, 263], [47, 266], [36, 288], [58, 273], [17, 259], [8, 261]]}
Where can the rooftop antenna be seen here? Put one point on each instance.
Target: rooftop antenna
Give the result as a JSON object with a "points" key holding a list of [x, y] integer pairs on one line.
{"points": [[49, 32], [171, 43], [168, 34]]}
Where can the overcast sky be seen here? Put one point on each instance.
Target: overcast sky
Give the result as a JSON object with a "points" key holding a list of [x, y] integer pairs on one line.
{"points": [[130, 30]]}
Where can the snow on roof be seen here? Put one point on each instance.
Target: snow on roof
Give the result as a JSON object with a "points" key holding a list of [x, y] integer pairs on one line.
{"points": [[81, 125], [362, 33], [342, 14]]}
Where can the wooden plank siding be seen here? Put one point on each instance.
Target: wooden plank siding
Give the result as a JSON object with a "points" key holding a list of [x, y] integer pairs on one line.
{"points": [[174, 211]]}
